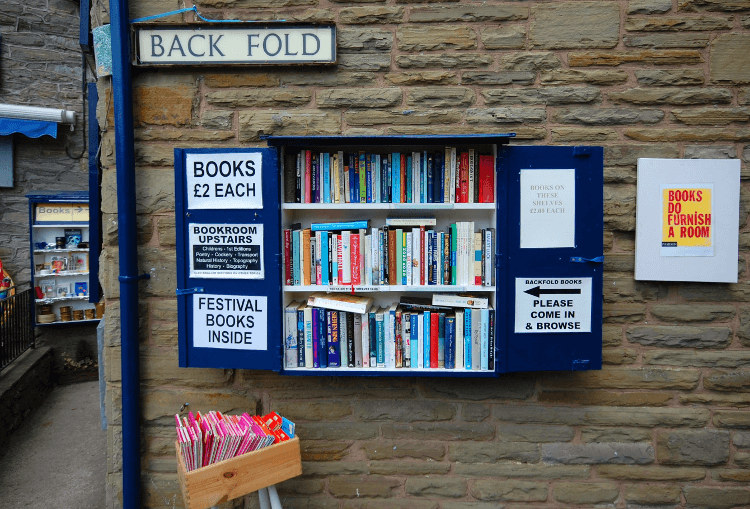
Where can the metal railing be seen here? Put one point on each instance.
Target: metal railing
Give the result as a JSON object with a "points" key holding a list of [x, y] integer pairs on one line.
{"points": [[16, 325]]}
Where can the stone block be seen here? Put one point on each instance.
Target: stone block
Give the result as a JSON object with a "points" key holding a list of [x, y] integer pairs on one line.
{"points": [[509, 491], [628, 155], [601, 416], [680, 336], [444, 60], [468, 13], [710, 152], [529, 61], [517, 386], [159, 406], [159, 100], [700, 135], [435, 38], [329, 450], [535, 471], [692, 447], [323, 411], [589, 135], [715, 498], [410, 469], [674, 96], [359, 98], [651, 473], [599, 435], [506, 115], [652, 494], [534, 433], [602, 78], [693, 313], [241, 80], [727, 61], [619, 356], [649, 6], [371, 15], [365, 62], [723, 400], [585, 492], [355, 486], [551, 96], [619, 207], [598, 453], [727, 381], [214, 119], [402, 117], [445, 487], [725, 359], [161, 367], [365, 40], [333, 430], [711, 116], [568, 25], [343, 78], [292, 122], [439, 431], [641, 57], [606, 116], [474, 412], [741, 440], [166, 228], [440, 97], [423, 78], [731, 475], [605, 398], [678, 24], [510, 37], [667, 40], [670, 77], [710, 5], [259, 98], [392, 450], [493, 452], [714, 292], [731, 419], [624, 378], [623, 313]]}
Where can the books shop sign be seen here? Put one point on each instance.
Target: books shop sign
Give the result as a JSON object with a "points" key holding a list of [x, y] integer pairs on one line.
{"points": [[227, 221], [238, 44]]}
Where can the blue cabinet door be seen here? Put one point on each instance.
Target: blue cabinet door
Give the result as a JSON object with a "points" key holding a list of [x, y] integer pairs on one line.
{"points": [[228, 258], [553, 218]]}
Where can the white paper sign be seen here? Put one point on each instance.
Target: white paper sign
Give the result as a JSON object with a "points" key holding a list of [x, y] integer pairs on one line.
{"points": [[224, 181], [549, 305], [228, 251], [548, 208], [230, 322]]}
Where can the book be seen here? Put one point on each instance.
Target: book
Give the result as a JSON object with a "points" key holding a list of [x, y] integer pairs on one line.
{"points": [[323, 335], [460, 300], [351, 352], [362, 173], [301, 336], [414, 340], [305, 257], [476, 342], [486, 179], [333, 344], [355, 258], [434, 339], [410, 221], [340, 302], [343, 225], [450, 342], [472, 196], [326, 164], [467, 338], [80, 288], [373, 354], [380, 338], [309, 339], [441, 339], [363, 347], [316, 332], [459, 339], [290, 335], [491, 341], [288, 262], [426, 338], [290, 177], [406, 338]]}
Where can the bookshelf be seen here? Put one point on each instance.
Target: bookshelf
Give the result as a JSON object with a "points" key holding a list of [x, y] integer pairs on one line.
{"points": [[61, 264], [524, 266]]}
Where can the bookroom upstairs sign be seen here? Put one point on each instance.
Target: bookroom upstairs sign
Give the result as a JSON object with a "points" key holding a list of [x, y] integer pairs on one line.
{"points": [[238, 44]]}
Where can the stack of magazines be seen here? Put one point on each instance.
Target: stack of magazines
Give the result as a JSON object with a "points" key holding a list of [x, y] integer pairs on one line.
{"points": [[213, 437]]}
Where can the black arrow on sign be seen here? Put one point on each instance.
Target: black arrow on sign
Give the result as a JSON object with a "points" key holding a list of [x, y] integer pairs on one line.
{"points": [[537, 291]]}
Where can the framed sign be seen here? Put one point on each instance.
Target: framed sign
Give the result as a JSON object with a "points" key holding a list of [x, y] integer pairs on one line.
{"points": [[687, 220]]}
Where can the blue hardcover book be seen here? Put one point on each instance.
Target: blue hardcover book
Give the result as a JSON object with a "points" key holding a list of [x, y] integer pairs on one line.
{"points": [[409, 179], [334, 343], [327, 178], [368, 177], [423, 178], [450, 342], [300, 337], [430, 179], [324, 258], [439, 175], [353, 197], [414, 317], [484, 337], [373, 328], [341, 225], [467, 338], [441, 340], [322, 338], [396, 176], [426, 336]]}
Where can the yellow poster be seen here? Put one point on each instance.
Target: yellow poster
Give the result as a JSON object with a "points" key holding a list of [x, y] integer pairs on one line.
{"points": [[687, 220]]}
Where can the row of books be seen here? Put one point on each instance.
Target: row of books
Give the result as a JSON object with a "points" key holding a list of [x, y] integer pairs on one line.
{"points": [[402, 335], [351, 254], [205, 439], [448, 176]]}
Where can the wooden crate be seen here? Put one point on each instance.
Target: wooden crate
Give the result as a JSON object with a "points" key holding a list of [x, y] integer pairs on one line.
{"points": [[232, 478]]}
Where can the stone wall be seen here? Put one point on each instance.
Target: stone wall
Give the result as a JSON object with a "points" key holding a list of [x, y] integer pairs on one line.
{"points": [[40, 65], [664, 423]]}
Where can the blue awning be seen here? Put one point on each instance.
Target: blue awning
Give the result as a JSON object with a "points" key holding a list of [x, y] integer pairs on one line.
{"points": [[30, 128]]}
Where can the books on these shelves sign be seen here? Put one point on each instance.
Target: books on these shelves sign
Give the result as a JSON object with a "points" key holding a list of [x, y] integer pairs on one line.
{"points": [[238, 44]]}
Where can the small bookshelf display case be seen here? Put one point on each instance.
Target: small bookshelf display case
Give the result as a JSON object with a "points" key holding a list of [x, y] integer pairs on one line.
{"points": [[61, 263], [459, 256]]}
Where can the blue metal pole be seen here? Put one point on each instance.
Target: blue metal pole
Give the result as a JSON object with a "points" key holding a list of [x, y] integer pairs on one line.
{"points": [[126, 215]]}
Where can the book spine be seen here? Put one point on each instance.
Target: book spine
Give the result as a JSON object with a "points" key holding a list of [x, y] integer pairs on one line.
{"points": [[446, 258], [401, 259], [434, 339], [487, 269], [455, 177], [290, 177], [305, 257], [399, 339], [453, 235], [434, 277], [362, 251], [406, 338], [335, 197], [383, 266], [370, 359], [409, 179], [392, 270], [439, 177], [325, 267], [492, 257], [414, 330], [326, 178], [368, 178], [298, 193], [346, 262], [355, 254], [309, 338], [464, 178], [288, 269], [356, 352], [316, 337], [478, 257], [415, 257], [350, 338], [486, 179], [472, 196], [353, 179], [441, 340], [339, 225], [334, 259], [390, 343], [318, 257], [384, 180], [308, 176], [343, 338], [485, 338], [476, 347], [367, 279], [315, 179], [422, 257], [300, 338], [430, 179], [342, 178], [491, 341], [403, 181], [339, 259], [450, 342], [290, 335], [362, 173], [389, 178], [395, 172], [334, 346], [363, 347], [323, 335], [427, 338], [375, 255], [459, 339], [380, 330], [347, 180], [467, 338], [376, 178]]}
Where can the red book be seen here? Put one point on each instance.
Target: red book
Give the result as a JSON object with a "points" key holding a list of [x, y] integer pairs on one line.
{"points": [[486, 179], [434, 342], [339, 258], [308, 176], [354, 240], [288, 257], [403, 178], [464, 178]]}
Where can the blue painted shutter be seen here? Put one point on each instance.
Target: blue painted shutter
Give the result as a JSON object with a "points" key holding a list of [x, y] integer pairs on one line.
{"points": [[554, 351], [270, 286]]}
